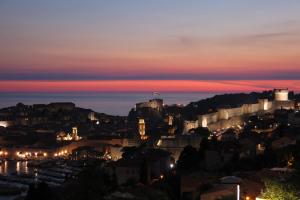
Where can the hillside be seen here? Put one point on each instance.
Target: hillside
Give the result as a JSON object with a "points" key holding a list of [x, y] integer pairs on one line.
{"points": [[226, 101]]}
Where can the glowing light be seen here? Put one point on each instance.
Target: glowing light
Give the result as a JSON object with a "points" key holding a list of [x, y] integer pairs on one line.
{"points": [[159, 142], [204, 122], [3, 124], [238, 192]]}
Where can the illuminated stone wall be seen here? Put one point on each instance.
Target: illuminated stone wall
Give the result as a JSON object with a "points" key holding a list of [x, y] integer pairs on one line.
{"points": [[235, 112], [227, 117], [264, 104], [225, 124], [223, 114], [284, 105], [188, 125]]}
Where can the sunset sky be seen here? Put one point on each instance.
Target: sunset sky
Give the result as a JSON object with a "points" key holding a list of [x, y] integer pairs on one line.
{"points": [[149, 45]]}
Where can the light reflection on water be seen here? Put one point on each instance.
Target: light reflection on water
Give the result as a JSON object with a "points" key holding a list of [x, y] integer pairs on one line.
{"points": [[18, 167], [3, 168]]}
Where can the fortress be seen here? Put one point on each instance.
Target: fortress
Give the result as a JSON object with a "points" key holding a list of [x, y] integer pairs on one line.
{"points": [[225, 118]]}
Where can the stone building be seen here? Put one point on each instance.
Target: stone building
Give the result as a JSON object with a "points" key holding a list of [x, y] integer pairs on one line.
{"points": [[156, 104]]}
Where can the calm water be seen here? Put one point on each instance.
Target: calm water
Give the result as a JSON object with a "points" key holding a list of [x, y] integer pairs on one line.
{"points": [[110, 103], [18, 167]]}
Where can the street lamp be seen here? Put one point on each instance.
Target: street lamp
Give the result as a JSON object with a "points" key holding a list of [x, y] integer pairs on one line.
{"points": [[238, 192], [171, 165]]}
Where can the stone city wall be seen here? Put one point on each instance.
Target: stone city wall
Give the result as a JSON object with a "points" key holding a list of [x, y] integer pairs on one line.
{"points": [[227, 117]]}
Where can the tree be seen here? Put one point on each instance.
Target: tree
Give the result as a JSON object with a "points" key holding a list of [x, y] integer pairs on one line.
{"points": [[279, 191], [204, 132], [188, 158], [204, 145], [296, 175], [40, 191], [144, 172], [269, 157], [231, 197], [93, 183], [128, 152], [170, 184]]}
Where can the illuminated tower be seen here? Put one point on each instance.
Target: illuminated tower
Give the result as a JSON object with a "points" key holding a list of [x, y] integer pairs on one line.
{"points": [[204, 121], [75, 133], [281, 94], [171, 129], [170, 120], [263, 104], [92, 116], [142, 129]]}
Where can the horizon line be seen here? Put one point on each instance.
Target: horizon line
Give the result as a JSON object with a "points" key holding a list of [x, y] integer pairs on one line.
{"points": [[204, 86]]}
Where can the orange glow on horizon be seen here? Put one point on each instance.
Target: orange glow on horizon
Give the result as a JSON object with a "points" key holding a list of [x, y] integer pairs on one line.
{"points": [[148, 85]]}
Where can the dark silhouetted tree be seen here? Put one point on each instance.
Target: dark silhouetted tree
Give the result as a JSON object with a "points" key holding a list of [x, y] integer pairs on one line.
{"points": [[93, 183], [144, 172], [204, 132], [40, 191], [188, 158], [128, 152]]}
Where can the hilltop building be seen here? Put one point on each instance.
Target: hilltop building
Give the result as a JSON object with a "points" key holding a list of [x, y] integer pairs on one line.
{"points": [[54, 107], [92, 116], [156, 104]]}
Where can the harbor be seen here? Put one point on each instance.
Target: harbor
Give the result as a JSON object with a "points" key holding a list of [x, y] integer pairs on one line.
{"points": [[16, 176]]}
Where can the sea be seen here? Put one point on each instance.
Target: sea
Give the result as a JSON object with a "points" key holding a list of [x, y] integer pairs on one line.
{"points": [[113, 103]]}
